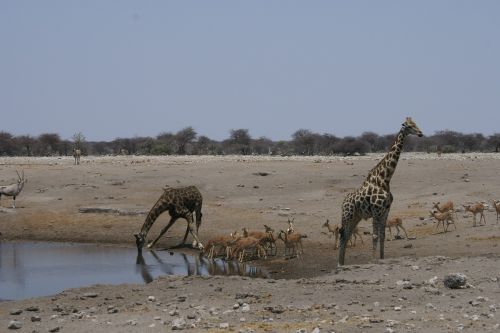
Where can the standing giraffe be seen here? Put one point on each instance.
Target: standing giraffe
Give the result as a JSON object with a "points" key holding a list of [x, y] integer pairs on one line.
{"points": [[373, 199], [180, 202]]}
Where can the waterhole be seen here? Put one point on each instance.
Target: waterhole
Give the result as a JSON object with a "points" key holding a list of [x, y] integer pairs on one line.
{"points": [[32, 269]]}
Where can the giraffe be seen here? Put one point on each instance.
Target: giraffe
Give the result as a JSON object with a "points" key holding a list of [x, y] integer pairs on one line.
{"points": [[180, 202], [374, 198]]}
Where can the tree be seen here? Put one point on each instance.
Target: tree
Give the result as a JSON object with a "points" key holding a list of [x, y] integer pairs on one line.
{"points": [[239, 141], [26, 143], [78, 140], [262, 146], [7, 144], [49, 144], [205, 146], [303, 142], [494, 141], [184, 137]]}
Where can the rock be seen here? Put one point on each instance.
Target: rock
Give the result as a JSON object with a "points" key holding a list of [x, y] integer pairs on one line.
{"points": [[223, 325], [376, 320], [33, 308], [54, 329], [275, 309], [132, 322], [408, 246], [15, 325], [90, 295], [432, 281], [178, 324], [151, 298], [245, 307], [16, 312], [455, 281], [315, 330], [36, 318]]}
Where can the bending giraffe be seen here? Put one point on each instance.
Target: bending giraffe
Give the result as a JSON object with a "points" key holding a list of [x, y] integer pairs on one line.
{"points": [[374, 198], [181, 202]]}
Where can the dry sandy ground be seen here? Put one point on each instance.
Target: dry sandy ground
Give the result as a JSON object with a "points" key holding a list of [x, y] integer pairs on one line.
{"points": [[314, 294]]}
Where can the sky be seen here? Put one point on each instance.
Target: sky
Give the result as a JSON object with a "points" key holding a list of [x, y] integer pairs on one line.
{"points": [[118, 68]]}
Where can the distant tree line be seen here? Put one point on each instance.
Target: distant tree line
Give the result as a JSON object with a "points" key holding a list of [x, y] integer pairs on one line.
{"points": [[188, 142]]}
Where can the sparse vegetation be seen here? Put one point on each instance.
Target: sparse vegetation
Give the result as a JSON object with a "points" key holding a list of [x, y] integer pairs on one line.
{"points": [[188, 142]]}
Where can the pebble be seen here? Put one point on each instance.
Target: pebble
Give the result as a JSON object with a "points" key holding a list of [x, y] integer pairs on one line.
{"points": [[178, 324], [16, 312], [315, 330], [54, 329], [429, 306], [224, 325], [36, 318], [33, 308], [151, 299], [90, 295], [15, 325], [245, 307]]}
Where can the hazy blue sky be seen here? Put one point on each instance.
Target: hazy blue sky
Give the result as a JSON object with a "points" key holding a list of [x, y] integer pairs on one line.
{"points": [[124, 68]]}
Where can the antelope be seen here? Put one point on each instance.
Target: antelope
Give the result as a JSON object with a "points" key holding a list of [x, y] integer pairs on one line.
{"points": [[395, 222], [477, 208], [267, 238], [444, 207], [221, 242], [292, 241], [496, 204], [442, 218], [13, 190], [335, 233], [291, 227], [76, 154], [242, 245]]}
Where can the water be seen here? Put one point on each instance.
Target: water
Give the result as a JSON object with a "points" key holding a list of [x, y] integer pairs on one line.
{"points": [[32, 269]]}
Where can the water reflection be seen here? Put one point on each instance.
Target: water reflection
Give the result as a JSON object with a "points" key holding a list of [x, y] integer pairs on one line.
{"points": [[30, 269], [193, 265]]}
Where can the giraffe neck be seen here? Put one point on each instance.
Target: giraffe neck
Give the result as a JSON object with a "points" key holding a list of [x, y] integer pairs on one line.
{"points": [[160, 206], [383, 171]]}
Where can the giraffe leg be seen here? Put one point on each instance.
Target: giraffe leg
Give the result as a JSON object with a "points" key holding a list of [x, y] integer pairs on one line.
{"points": [[375, 235], [381, 236], [164, 230], [192, 231], [344, 237]]}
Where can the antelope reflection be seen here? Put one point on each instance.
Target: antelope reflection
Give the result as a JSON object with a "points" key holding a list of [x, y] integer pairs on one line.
{"points": [[191, 265]]}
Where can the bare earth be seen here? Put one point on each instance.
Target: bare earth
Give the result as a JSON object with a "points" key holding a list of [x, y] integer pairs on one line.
{"points": [[306, 293]]}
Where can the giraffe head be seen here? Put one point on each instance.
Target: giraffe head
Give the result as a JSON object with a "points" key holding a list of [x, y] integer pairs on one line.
{"points": [[411, 127], [139, 241]]}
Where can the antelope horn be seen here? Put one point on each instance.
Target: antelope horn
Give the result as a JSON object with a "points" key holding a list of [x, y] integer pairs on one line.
{"points": [[18, 175]]}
